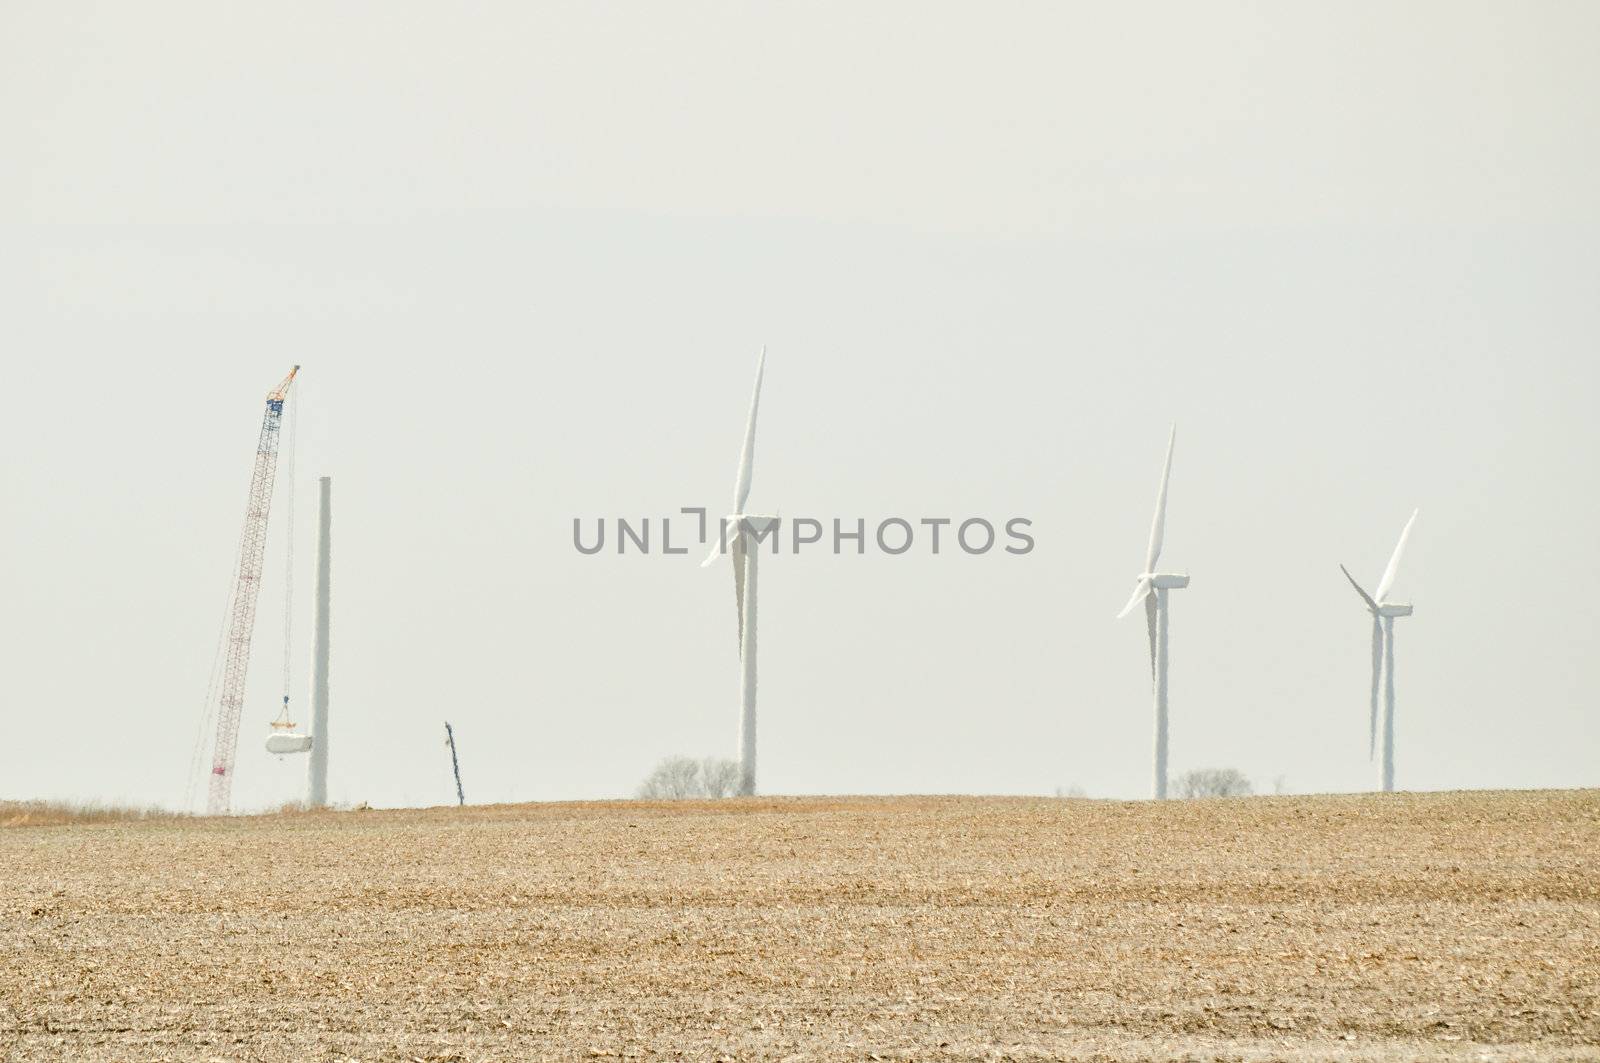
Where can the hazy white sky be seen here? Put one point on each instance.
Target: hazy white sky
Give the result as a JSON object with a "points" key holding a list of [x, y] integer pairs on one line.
{"points": [[527, 254]]}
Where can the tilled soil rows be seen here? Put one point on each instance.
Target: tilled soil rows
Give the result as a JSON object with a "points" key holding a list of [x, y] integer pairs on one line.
{"points": [[1402, 926]]}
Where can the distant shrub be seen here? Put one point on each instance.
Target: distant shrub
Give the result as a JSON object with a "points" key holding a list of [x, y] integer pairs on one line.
{"points": [[1071, 792], [683, 777], [1212, 782]]}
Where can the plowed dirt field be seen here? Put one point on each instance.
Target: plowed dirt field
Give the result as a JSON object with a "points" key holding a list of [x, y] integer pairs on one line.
{"points": [[1385, 927]]}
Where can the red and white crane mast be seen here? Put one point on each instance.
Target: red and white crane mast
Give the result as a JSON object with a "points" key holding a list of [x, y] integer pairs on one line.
{"points": [[252, 554]]}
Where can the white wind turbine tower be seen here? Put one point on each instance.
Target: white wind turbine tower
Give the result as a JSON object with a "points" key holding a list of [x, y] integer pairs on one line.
{"points": [[748, 533], [1383, 615], [1152, 590]]}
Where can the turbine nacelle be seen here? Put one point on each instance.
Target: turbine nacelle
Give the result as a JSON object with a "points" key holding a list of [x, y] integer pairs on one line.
{"points": [[1393, 610], [1144, 589], [289, 743], [735, 526], [758, 526]]}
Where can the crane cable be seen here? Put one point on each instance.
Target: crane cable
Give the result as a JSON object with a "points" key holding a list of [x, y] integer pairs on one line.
{"points": [[283, 720], [209, 712]]}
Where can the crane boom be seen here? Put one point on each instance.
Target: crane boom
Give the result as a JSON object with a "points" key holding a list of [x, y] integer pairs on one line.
{"points": [[252, 553]]}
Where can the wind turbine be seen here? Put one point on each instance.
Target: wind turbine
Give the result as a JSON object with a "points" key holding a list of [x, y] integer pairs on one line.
{"points": [[749, 532], [1383, 615], [1152, 590]]}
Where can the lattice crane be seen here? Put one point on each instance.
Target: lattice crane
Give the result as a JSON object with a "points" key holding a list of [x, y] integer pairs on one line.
{"points": [[252, 556]]}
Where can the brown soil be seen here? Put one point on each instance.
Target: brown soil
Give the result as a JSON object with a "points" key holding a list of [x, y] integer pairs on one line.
{"points": [[1439, 926]]}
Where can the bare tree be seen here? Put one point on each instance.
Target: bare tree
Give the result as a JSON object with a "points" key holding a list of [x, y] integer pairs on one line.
{"points": [[719, 776], [680, 777], [672, 778], [1212, 782]]}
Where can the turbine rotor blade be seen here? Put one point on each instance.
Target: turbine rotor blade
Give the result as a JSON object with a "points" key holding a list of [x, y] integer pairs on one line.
{"points": [[1158, 526], [747, 455], [1364, 595], [716, 548], [1387, 582], [1377, 670], [737, 550], [747, 460], [1141, 590], [1150, 622]]}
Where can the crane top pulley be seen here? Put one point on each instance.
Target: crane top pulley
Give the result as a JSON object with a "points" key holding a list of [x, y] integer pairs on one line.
{"points": [[281, 392]]}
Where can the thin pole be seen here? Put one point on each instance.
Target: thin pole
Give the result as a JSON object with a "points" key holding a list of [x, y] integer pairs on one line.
{"points": [[747, 670], [317, 795], [1161, 695], [455, 765]]}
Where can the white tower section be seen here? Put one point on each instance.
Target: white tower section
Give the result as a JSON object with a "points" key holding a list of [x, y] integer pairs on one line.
{"points": [[317, 782], [752, 531], [1159, 787], [1388, 704]]}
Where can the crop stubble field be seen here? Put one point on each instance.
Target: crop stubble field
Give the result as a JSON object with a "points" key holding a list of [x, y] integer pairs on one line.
{"points": [[1439, 926]]}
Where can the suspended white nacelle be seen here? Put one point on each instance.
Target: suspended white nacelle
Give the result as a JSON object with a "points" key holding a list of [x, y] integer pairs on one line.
{"points": [[1394, 610], [288, 743], [1167, 580]]}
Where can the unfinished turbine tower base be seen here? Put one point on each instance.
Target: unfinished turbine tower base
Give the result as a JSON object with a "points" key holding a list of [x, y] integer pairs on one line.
{"points": [[317, 769]]}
